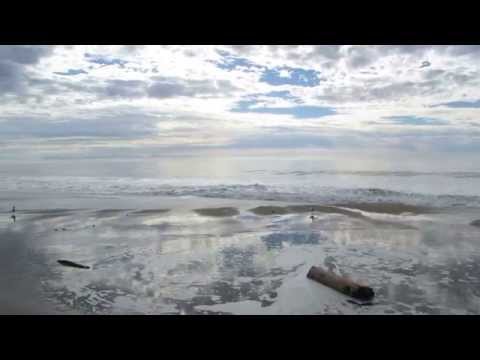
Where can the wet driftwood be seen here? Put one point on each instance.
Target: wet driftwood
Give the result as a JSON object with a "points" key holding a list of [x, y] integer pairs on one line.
{"points": [[72, 264], [341, 284]]}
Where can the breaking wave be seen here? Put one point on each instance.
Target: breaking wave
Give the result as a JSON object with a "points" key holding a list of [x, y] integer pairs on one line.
{"points": [[225, 190]]}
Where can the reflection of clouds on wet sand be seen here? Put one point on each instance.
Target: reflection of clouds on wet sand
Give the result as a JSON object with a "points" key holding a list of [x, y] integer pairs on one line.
{"points": [[224, 261]]}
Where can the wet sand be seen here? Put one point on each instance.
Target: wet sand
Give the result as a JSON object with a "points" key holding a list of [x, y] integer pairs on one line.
{"points": [[218, 212], [388, 208], [110, 212], [150, 212], [209, 256], [391, 208], [301, 209]]}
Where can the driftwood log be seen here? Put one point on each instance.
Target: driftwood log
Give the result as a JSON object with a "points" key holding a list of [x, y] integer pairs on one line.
{"points": [[341, 284], [72, 264]]}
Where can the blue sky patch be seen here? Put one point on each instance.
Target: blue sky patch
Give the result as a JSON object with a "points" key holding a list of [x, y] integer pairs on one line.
{"points": [[414, 120], [291, 76], [462, 104], [281, 94], [103, 60], [299, 112], [71, 72], [230, 62]]}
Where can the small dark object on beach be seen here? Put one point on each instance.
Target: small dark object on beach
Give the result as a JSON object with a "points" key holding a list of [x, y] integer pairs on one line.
{"points": [[93, 225], [13, 209], [63, 229], [72, 264], [341, 284], [475, 223], [14, 218]]}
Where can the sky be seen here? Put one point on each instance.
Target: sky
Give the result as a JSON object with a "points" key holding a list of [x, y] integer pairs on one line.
{"points": [[71, 102]]}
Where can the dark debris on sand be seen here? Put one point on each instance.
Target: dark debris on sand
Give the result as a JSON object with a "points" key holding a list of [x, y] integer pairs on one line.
{"points": [[475, 223]]}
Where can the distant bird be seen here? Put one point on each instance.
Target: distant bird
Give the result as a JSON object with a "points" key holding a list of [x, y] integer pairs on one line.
{"points": [[311, 215]]}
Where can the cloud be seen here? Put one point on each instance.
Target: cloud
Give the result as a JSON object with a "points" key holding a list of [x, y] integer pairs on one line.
{"points": [[244, 49], [132, 49], [214, 90], [464, 49], [71, 72], [11, 77], [292, 53], [13, 60], [331, 52], [118, 126], [159, 88], [414, 120], [406, 49], [394, 90], [167, 89], [164, 87], [24, 54], [285, 94], [378, 91], [125, 88], [278, 139], [373, 92], [361, 56], [433, 73]]}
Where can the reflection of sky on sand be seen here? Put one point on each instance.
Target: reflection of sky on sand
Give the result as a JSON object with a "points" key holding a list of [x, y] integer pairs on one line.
{"points": [[181, 262]]}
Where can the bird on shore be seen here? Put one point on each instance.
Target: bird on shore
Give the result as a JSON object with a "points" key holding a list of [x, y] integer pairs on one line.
{"points": [[311, 215], [13, 217]]}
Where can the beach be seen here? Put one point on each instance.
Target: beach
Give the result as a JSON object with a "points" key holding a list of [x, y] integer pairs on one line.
{"points": [[239, 179], [204, 255]]}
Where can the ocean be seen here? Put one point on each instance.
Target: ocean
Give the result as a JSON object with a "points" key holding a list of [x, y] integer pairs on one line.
{"points": [[287, 179]]}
